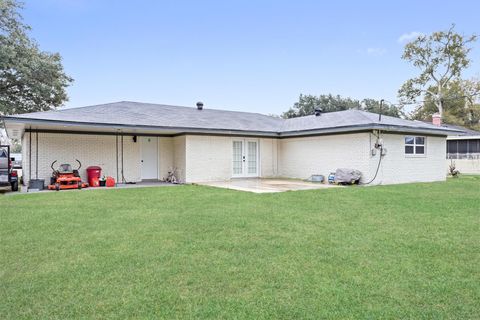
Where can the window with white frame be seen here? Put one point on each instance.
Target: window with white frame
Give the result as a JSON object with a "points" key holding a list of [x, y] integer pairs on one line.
{"points": [[414, 145]]}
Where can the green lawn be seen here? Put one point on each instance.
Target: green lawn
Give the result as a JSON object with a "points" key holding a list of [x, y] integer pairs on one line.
{"points": [[405, 251]]}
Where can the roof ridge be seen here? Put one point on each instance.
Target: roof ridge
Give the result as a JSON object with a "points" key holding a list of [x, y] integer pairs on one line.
{"points": [[163, 105], [363, 114], [204, 109]]}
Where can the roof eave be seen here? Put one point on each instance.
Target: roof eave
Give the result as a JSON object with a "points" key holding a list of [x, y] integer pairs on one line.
{"points": [[180, 130], [368, 127], [285, 134], [465, 137]]}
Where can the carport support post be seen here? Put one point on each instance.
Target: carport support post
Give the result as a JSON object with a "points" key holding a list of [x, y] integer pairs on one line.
{"points": [[116, 155], [30, 156], [123, 177], [36, 154]]}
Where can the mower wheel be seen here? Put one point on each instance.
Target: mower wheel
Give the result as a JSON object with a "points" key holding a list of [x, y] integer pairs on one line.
{"points": [[57, 186], [79, 185], [15, 186]]}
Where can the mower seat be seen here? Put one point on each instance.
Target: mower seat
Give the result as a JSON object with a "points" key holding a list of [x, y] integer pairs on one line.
{"points": [[65, 168]]}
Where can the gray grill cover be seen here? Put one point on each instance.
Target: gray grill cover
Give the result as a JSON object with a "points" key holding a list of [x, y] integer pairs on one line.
{"points": [[343, 175]]}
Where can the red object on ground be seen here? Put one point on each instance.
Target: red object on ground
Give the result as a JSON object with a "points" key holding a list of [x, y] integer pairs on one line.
{"points": [[95, 182], [93, 172], [110, 182]]}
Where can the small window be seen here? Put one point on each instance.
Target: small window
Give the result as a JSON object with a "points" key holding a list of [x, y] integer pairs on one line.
{"points": [[414, 145]]}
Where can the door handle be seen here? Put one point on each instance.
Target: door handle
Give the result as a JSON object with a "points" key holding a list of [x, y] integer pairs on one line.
{"points": [[243, 158]]}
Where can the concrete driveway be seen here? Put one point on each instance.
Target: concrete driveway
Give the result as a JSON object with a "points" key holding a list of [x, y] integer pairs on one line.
{"points": [[268, 185]]}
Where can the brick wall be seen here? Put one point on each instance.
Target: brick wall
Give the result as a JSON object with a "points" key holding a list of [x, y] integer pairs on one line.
{"points": [[209, 158], [397, 167], [165, 156], [91, 150], [302, 157], [179, 157]]}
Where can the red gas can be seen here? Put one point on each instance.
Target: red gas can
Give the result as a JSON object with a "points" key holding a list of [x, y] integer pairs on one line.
{"points": [[110, 182]]}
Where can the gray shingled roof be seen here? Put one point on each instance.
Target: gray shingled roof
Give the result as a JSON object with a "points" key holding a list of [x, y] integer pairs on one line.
{"points": [[175, 117], [350, 118], [464, 131], [159, 115]]}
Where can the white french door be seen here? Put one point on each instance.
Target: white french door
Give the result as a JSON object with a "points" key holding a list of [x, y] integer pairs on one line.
{"points": [[245, 158]]}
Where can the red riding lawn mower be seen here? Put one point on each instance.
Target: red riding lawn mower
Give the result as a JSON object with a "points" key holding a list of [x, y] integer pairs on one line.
{"points": [[66, 178]]}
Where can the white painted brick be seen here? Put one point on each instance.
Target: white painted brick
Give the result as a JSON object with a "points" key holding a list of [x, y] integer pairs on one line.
{"points": [[302, 157], [179, 156], [165, 156], [396, 167], [209, 158], [91, 150]]}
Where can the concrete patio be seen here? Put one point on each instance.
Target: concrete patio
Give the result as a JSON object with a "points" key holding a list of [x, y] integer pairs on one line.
{"points": [[268, 185], [256, 185]]}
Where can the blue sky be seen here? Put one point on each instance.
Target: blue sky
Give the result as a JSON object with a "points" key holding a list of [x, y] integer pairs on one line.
{"points": [[238, 55]]}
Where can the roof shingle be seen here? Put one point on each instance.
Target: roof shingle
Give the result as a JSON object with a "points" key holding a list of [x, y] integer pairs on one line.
{"points": [[159, 115]]}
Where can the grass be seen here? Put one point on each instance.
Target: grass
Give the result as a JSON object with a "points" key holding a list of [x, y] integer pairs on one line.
{"points": [[404, 251]]}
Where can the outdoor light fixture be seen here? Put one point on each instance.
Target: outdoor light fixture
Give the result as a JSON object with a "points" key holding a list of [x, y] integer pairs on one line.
{"points": [[134, 138]]}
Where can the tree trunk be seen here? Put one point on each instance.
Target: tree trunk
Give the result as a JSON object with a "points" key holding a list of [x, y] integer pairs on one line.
{"points": [[439, 100], [439, 104]]}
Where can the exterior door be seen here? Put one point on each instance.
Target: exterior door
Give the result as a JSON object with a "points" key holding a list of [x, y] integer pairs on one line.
{"points": [[245, 158], [149, 157]]}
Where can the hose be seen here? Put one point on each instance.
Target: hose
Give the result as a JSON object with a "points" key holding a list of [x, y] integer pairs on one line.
{"points": [[378, 167]]}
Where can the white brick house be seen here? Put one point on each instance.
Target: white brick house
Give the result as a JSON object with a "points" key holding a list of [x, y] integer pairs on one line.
{"points": [[137, 141]]}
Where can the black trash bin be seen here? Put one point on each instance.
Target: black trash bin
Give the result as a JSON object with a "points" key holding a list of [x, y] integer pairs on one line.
{"points": [[36, 184]]}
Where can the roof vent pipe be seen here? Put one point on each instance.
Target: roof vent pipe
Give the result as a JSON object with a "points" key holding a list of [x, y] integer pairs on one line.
{"points": [[200, 105], [318, 111]]}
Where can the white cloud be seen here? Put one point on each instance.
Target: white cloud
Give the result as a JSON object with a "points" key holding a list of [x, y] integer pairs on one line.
{"points": [[406, 37], [376, 52]]}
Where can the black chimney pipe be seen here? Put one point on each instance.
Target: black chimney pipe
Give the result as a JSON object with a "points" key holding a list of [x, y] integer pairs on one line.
{"points": [[318, 111], [199, 105]]}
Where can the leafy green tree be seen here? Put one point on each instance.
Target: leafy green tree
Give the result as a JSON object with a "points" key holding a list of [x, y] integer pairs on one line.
{"points": [[440, 57], [329, 103], [30, 79], [461, 104]]}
